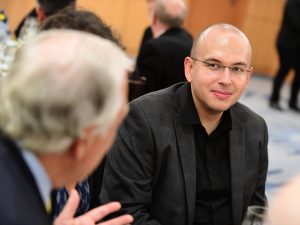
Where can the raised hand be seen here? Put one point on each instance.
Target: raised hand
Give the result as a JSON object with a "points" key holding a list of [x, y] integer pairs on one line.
{"points": [[66, 217]]}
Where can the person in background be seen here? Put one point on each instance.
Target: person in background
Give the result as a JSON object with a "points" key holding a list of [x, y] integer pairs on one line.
{"points": [[43, 9], [160, 59], [147, 35], [46, 8], [81, 20], [191, 154], [89, 188], [58, 118], [285, 205], [288, 47]]}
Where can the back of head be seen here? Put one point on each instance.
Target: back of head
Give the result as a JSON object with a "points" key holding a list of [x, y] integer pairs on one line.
{"points": [[170, 12], [284, 208], [46, 102], [80, 20], [51, 7]]}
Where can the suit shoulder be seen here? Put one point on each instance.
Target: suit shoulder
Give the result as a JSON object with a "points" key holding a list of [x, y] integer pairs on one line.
{"points": [[245, 114], [157, 100]]}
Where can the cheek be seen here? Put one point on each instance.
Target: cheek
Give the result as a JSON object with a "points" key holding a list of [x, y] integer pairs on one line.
{"points": [[240, 84], [204, 80]]}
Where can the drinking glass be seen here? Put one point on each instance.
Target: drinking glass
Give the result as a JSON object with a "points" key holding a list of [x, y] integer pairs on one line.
{"points": [[255, 215], [7, 55], [29, 29]]}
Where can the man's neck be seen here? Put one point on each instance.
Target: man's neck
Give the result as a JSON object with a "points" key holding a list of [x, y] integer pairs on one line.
{"points": [[208, 118], [210, 123], [158, 29]]}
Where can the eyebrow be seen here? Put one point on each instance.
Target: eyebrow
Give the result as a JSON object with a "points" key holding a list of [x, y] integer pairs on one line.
{"points": [[218, 61]]}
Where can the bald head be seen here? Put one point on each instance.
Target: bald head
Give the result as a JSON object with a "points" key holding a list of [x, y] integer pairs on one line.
{"points": [[170, 12], [226, 37], [284, 209]]}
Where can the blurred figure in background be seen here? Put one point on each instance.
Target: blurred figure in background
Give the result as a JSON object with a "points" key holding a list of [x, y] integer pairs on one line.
{"points": [[43, 9], [46, 8], [89, 188], [288, 47], [147, 35], [58, 118], [160, 58]]}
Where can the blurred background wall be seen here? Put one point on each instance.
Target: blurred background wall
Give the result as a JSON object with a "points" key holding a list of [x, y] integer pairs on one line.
{"points": [[259, 19]]}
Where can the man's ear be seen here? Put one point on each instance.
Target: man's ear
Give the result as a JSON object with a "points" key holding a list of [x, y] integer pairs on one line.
{"points": [[41, 16], [82, 144], [249, 74], [188, 68], [77, 149]]}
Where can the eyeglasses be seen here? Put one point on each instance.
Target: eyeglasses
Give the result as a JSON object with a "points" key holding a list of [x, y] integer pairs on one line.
{"points": [[217, 67]]}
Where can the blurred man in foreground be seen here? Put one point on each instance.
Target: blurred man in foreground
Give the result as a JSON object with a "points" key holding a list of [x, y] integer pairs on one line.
{"points": [[89, 188], [58, 118], [284, 208]]}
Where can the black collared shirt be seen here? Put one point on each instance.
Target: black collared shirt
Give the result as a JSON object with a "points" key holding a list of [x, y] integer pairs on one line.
{"points": [[213, 197]]}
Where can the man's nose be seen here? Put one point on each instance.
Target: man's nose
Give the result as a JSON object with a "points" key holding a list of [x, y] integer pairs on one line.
{"points": [[225, 77]]}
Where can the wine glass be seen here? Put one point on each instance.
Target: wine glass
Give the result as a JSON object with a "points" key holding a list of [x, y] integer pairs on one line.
{"points": [[7, 56], [255, 215], [29, 29]]}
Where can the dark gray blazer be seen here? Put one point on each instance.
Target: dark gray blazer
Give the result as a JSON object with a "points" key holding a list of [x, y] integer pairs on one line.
{"points": [[21, 203], [151, 168]]}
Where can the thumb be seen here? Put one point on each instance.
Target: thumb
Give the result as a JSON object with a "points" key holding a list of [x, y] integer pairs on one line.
{"points": [[71, 206]]}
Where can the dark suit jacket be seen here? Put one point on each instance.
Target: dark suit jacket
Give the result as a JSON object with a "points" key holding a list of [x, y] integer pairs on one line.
{"points": [[151, 168], [21, 203], [161, 59], [147, 35]]}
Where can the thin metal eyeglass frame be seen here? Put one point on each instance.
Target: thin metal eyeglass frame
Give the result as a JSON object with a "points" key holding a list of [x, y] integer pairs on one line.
{"points": [[222, 66]]}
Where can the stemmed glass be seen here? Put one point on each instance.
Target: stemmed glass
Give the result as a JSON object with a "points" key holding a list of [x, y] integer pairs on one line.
{"points": [[255, 215], [7, 55], [29, 29]]}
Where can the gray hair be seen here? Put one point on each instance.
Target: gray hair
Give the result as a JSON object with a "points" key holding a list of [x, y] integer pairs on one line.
{"points": [[171, 12], [61, 82]]}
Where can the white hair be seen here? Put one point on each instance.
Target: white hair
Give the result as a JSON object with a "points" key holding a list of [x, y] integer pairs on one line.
{"points": [[171, 12], [61, 82]]}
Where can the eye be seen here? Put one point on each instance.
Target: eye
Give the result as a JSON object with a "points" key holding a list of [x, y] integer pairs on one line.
{"points": [[237, 69], [213, 66]]}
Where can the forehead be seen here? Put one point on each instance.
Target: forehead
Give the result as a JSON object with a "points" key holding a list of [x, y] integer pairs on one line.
{"points": [[224, 45]]}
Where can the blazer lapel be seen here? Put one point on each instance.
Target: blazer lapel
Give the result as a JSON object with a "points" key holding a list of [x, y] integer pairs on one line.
{"points": [[237, 153], [186, 148]]}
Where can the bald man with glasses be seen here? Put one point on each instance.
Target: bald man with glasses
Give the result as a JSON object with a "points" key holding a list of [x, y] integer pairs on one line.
{"points": [[191, 154]]}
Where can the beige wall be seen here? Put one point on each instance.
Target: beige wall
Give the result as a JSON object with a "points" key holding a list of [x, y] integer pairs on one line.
{"points": [[259, 19], [127, 17], [204, 13], [16, 9]]}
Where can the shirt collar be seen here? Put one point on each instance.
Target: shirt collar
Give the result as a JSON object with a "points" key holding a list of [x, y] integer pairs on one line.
{"points": [[38, 172], [189, 113], [191, 117]]}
